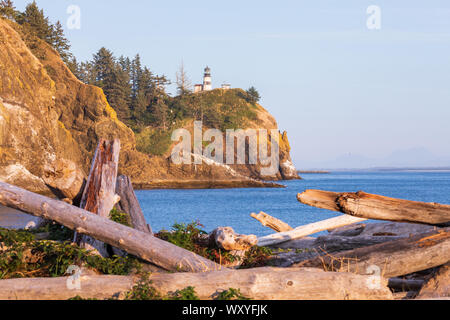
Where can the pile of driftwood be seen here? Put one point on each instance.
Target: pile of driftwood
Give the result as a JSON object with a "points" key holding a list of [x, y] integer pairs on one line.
{"points": [[370, 267], [412, 251]]}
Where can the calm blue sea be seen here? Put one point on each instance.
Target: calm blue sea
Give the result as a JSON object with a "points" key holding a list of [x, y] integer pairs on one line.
{"points": [[232, 207]]}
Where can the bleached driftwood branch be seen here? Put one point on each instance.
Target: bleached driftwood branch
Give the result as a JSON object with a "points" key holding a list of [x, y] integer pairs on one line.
{"points": [[307, 230], [370, 206], [271, 222]]}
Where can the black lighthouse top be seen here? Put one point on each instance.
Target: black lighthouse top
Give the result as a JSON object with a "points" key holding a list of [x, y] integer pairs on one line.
{"points": [[207, 71]]}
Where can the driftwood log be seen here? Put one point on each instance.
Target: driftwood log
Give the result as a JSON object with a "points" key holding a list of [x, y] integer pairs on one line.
{"points": [[405, 285], [393, 259], [307, 230], [129, 204], [369, 206], [271, 222], [438, 286], [258, 284], [99, 195], [339, 243], [400, 229], [140, 244], [225, 238]]}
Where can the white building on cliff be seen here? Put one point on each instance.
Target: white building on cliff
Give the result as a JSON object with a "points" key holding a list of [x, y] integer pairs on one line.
{"points": [[207, 83]]}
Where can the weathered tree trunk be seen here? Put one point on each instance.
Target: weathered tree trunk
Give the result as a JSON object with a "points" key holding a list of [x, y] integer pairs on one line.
{"points": [[258, 284], [376, 207], [393, 259], [91, 287], [307, 230], [140, 244], [271, 222], [99, 195], [129, 204], [339, 243], [438, 286]]}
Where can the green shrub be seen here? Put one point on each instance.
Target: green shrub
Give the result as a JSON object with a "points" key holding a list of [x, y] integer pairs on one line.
{"points": [[231, 294], [257, 257], [154, 142], [183, 235], [144, 290], [56, 232], [185, 294], [11, 237], [22, 257], [192, 238], [120, 217]]}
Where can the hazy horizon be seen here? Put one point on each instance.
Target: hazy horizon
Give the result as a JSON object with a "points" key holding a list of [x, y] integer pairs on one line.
{"points": [[335, 86]]}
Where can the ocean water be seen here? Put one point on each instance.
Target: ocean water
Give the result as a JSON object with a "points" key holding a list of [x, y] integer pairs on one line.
{"points": [[232, 207]]}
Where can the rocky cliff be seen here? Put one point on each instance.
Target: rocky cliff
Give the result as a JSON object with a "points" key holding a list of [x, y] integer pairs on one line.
{"points": [[50, 123]]}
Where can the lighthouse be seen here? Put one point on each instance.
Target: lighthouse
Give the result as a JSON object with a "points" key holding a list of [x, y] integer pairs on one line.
{"points": [[207, 82]]}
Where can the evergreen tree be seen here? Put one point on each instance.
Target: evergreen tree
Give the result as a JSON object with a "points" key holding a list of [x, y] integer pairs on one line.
{"points": [[60, 42], [36, 24], [138, 96], [118, 91], [103, 64], [253, 95], [35, 21], [140, 83], [114, 80], [7, 9], [136, 75], [159, 111], [86, 73], [125, 64], [75, 67]]}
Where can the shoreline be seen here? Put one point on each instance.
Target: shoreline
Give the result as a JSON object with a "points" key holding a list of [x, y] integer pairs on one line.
{"points": [[204, 184], [314, 172]]}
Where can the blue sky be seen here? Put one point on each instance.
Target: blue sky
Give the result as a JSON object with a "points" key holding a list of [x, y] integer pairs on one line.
{"points": [[337, 87]]}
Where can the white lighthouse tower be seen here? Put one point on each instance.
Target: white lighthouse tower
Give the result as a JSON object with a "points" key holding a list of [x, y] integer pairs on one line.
{"points": [[207, 82]]}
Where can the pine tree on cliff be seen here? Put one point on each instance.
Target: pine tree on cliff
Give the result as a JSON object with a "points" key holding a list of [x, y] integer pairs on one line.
{"points": [[36, 22], [87, 73], [103, 64], [148, 95], [118, 91], [60, 42], [140, 82], [114, 81], [75, 68], [7, 9], [136, 74], [159, 111], [253, 95]]}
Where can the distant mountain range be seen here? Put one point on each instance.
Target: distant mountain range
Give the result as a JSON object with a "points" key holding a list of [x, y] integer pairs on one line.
{"points": [[409, 159]]}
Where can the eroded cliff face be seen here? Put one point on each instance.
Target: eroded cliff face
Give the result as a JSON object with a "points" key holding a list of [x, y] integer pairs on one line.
{"points": [[50, 124]]}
